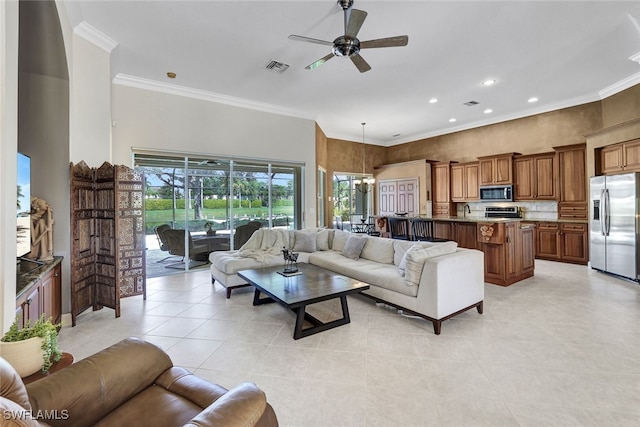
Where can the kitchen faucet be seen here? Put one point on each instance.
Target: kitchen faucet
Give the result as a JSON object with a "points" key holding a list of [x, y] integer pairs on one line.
{"points": [[466, 209]]}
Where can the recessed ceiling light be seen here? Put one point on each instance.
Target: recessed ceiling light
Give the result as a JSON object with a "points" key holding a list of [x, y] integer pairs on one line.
{"points": [[489, 82], [532, 100], [433, 100], [171, 75], [452, 119], [488, 111]]}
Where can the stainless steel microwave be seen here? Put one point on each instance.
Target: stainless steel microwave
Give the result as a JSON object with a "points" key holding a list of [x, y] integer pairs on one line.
{"points": [[496, 193]]}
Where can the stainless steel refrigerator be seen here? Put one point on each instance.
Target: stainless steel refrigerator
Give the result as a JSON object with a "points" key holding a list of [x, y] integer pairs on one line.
{"points": [[614, 220]]}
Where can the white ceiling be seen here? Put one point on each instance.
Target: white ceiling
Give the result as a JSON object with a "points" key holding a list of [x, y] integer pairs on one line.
{"points": [[563, 52]]}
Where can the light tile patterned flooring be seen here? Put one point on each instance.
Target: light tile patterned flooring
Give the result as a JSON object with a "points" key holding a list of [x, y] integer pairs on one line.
{"points": [[559, 349]]}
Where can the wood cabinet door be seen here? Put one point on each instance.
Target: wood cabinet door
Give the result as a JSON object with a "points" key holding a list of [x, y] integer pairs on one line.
{"points": [[611, 159], [548, 242], [457, 183], [443, 230], [466, 235], [528, 252], [574, 244], [441, 184], [486, 171], [632, 156], [543, 178], [523, 179], [503, 170], [50, 294], [471, 176], [572, 175], [32, 307]]}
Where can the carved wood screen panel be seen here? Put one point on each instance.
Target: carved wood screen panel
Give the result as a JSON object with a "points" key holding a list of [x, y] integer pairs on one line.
{"points": [[108, 238]]}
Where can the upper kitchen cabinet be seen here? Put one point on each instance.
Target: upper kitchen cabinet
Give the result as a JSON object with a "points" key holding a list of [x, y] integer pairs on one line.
{"points": [[533, 177], [496, 169], [464, 182], [618, 158], [572, 181], [442, 206]]}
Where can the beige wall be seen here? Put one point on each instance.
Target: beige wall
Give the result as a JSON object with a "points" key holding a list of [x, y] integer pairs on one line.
{"points": [[621, 107], [8, 149], [529, 135], [158, 121]]}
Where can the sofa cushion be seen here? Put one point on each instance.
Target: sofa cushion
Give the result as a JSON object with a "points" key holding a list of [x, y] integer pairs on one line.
{"points": [[339, 239], [378, 249], [323, 239], [353, 248], [373, 273], [400, 247], [418, 254], [305, 241], [230, 262]]}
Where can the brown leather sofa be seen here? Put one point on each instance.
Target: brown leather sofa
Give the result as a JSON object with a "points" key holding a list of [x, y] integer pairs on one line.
{"points": [[132, 383]]}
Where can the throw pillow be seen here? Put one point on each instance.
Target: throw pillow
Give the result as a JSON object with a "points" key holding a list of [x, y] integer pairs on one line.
{"points": [[353, 248], [305, 241], [322, 240], [339, 239], [418, 254]]}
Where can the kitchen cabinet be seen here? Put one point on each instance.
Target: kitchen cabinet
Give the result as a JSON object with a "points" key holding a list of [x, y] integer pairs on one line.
{"points": [[508, 251], [40, 292], [443, 230], [572, 181], [566, 242], [496, 169], [618, 158], [441, 182], [464, 182], [534, 177], [465, 233]]}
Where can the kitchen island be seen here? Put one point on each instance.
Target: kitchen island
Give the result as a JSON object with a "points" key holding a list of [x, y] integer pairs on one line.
{"points": [[507, 243]]}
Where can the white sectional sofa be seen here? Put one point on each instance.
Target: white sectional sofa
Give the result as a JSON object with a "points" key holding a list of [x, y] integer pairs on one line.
{"points": [[435, 281]]}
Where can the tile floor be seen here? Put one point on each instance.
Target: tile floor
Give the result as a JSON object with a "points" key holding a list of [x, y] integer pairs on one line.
{"points": [[559, 349]]}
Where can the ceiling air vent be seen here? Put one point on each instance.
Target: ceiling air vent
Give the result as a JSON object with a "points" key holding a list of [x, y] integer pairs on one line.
{"points": [[471, 103], [277, 67]]}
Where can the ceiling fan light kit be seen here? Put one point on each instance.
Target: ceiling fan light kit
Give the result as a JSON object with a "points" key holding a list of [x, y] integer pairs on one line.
{"points": [[348, 44]]}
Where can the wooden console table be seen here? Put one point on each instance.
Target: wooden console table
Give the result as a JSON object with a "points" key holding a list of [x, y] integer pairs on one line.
{"points": [[65, 360]]}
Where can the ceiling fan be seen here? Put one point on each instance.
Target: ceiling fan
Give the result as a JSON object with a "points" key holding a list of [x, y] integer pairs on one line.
{"points": [[348, 44]]}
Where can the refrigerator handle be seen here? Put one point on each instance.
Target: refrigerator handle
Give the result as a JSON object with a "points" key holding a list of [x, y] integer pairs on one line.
{"points": [[607, 213], [602, 213]]}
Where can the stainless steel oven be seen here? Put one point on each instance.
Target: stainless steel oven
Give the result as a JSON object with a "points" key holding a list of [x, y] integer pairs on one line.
{"points": [[496, 193]]}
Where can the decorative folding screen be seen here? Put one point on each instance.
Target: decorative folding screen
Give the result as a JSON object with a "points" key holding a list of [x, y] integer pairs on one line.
{"points": [[107, 237]]}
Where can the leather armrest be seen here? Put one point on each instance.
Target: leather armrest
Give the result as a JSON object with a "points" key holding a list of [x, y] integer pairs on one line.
{"points": [[242, 406], [183, 383], [94, 386]]}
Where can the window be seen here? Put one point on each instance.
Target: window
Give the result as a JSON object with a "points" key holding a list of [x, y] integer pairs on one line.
{"points": [[210, 196]]}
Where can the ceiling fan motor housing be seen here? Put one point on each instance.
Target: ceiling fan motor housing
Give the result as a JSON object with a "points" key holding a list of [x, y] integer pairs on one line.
{"points": [[346, 46]]}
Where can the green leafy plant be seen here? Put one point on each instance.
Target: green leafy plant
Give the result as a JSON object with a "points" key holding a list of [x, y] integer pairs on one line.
{"points": [[42, 328]]}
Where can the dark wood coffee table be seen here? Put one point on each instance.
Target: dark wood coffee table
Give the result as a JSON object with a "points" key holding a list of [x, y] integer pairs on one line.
{"points": [[314, 285]]}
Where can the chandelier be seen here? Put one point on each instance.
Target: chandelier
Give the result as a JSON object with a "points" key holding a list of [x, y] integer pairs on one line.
{"points": [[365, 184]]}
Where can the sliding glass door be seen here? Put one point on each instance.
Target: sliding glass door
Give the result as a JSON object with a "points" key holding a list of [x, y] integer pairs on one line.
{"points": [[206, 199]]}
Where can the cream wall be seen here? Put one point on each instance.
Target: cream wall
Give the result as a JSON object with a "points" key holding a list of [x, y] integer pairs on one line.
{"points": [[8, 149], [90, 104], [159, 121]]}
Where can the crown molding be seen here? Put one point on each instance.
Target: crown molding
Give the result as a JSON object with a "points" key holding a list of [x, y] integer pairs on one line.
{"points": [[635, 57], [621, 85], [95, 37], [518, 115], [171, 89]]}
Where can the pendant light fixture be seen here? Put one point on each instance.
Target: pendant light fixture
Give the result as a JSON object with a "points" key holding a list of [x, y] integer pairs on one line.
{"points": [[365, 184]]}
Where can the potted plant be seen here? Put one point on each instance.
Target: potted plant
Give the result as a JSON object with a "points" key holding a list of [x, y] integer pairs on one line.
{"points": [[31, 348], [209, 227]]}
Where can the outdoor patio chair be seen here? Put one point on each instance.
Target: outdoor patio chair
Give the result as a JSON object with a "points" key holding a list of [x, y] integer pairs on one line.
{"points": [[197, 253]]}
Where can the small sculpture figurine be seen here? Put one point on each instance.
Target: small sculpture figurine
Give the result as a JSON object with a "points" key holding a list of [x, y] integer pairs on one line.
{"points": [[290, 260], [41, 230]]}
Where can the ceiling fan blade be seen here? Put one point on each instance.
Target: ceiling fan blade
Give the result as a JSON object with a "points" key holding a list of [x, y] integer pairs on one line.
{"points": [[310, 40], [386, 42], [360, 63], [319, 62], [355, 22]]}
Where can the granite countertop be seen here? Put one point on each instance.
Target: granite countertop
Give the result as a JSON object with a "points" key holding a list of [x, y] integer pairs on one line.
{"points": [[476, 219], [28, 272]]}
